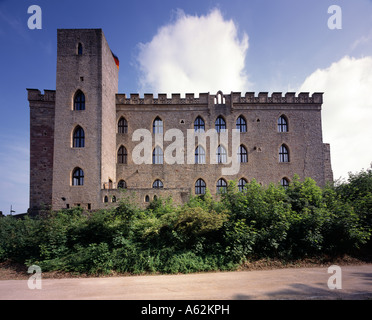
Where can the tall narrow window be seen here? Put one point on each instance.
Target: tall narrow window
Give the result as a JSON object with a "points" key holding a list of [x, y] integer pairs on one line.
{"points": [[199, 155], [157, 184], [241, 184], [122, 125], [241, 124], [122, 155], [78, 177], [284, 182], [199, 125], [221, 186], [80, 49], [78, 140], [282, 124], [122, 184], [242, 154], [157, 126], [200, 186], [79, 101], [221, 155], [157, 156], [283, 154], [220, 124]]}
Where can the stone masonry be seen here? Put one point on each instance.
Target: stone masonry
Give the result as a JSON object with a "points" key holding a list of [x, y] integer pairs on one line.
{"points": [[85, 63]]}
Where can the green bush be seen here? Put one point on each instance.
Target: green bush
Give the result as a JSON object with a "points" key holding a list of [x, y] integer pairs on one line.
{"points": [[203, 234]]}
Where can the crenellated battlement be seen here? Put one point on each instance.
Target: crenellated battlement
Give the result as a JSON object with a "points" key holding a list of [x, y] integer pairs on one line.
{"points": [[220, 98], [36, 95]]}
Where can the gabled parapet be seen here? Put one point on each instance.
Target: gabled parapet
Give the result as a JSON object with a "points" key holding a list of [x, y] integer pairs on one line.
{"points": [[233, 98]]}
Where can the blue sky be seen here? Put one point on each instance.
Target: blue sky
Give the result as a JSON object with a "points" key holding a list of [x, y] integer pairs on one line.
{"points": [[281, 45]]}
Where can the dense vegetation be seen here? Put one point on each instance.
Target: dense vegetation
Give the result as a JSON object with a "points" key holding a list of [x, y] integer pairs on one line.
{"points": [[300, 221]]}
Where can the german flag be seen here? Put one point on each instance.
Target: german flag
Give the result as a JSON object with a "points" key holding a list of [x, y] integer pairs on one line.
{"points": [[116, 59]]}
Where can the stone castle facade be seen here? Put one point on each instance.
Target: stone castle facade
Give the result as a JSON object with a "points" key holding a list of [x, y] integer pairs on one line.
{"points": [[83, 136]]}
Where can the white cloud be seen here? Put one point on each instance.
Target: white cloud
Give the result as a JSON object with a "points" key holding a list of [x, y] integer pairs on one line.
{"points": [[194, 54], [347, 112]]}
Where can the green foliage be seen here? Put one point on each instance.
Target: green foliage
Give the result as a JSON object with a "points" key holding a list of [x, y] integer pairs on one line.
{"points": [[203, 234]]}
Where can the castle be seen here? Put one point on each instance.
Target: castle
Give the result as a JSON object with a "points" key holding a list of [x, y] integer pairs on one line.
{"points": [[84, 135]]}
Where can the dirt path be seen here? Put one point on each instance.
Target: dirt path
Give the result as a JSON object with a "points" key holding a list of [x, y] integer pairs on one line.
{"points": [[301, 283]]}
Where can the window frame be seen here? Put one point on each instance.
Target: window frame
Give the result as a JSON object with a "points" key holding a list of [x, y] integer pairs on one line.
{"points": [[221, 155], [157, 155], [78, 137], [221, 186], [122, 125], [200, 187], [122, 155], [242, 154], [241, 124], [157, 184], [199, 124], [200, 155], [79, 101], [242, 185], [284, 182], [122, 184], [157, 125], [220, 124], [282, 124], [77, 177], [284, 154]]}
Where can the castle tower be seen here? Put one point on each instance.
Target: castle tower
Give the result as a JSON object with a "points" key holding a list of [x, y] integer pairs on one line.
{"points": [[85, 118], [41, 148]]}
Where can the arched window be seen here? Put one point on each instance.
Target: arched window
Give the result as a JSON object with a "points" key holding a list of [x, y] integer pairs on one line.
{"points": [[78, 177], [199, 125], [78, 140], [220, 124], [157, 184], [122, 155], [241, 124], [105, 199], [147, 198], [284, 182], [157, 126], [219, 99], [242, 154], [80, 49], [122, 184], [241, 184], [221, 185], [157, 156], [79, 100], [221, 155], [122, 125], [200, 186], [283, 154], [199, 155], [282, 124]]}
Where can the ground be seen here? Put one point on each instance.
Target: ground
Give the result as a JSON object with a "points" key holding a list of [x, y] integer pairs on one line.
{"points": [[17, 271], [275, 284]]}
